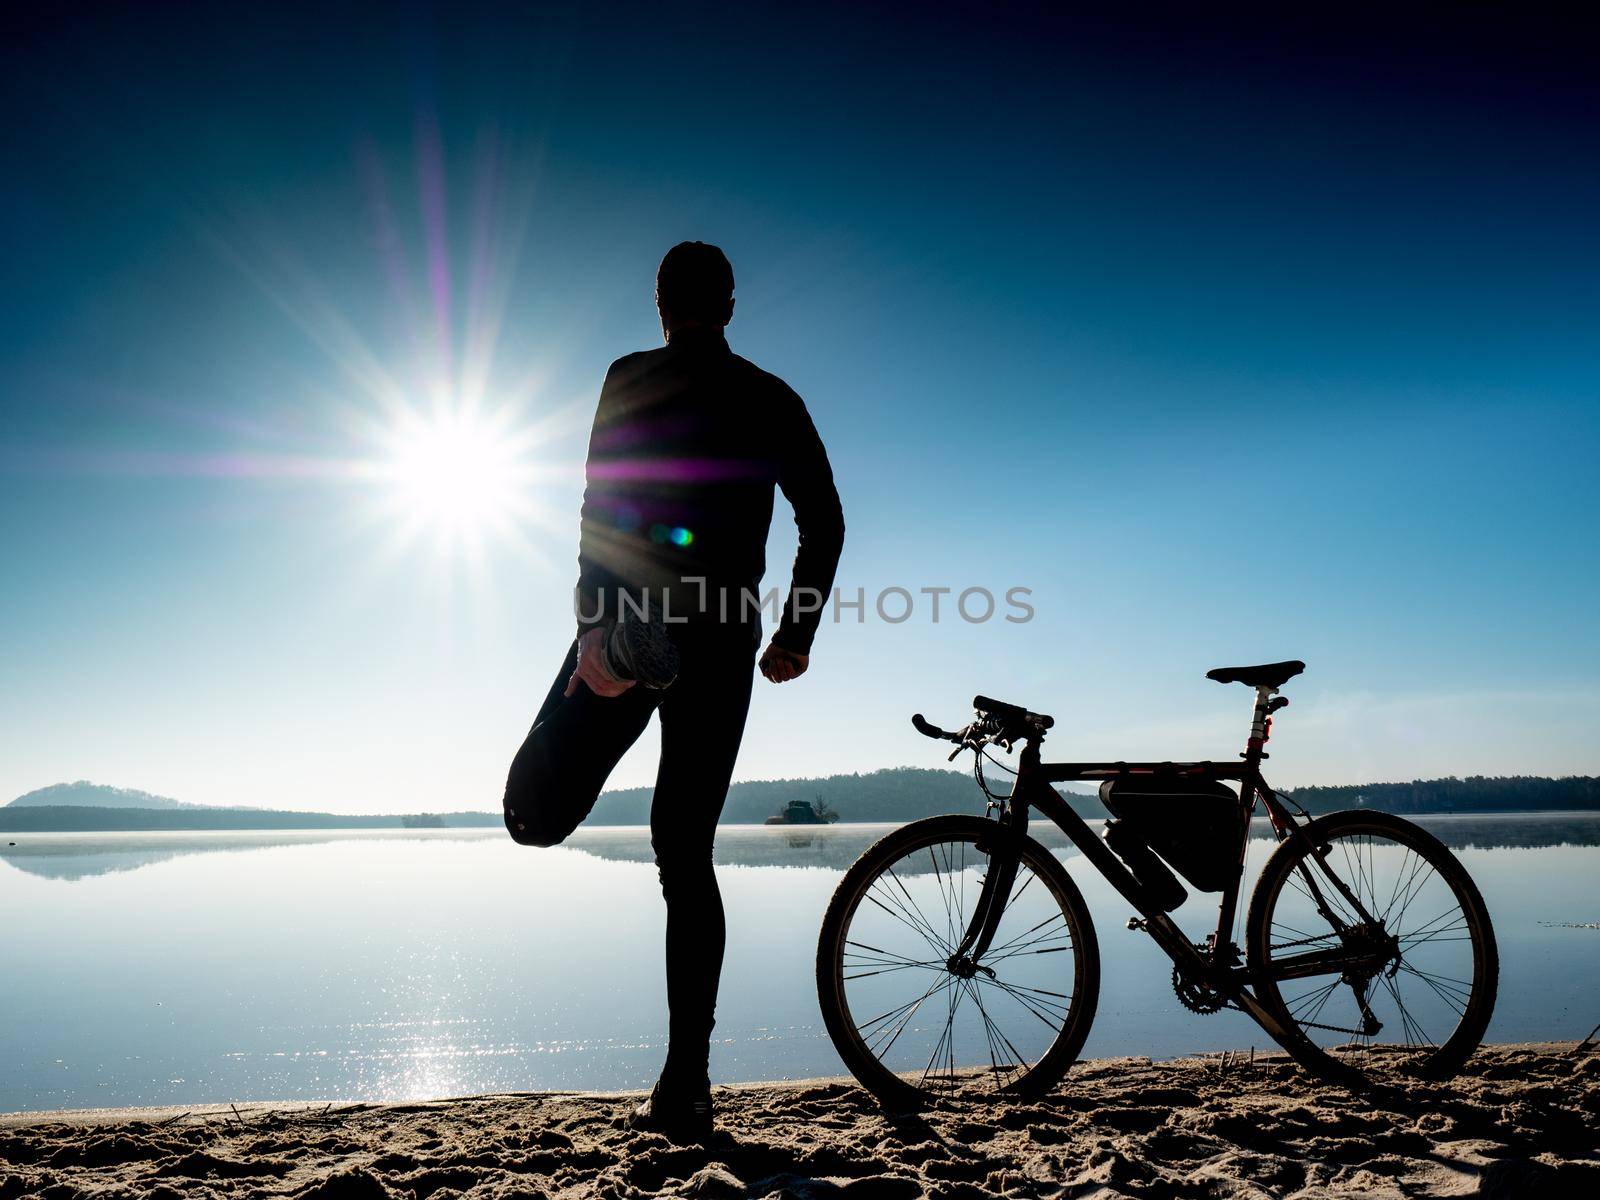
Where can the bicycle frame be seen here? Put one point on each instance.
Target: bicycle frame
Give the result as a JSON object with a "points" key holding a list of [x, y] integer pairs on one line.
{"points": [[1032, 791]]}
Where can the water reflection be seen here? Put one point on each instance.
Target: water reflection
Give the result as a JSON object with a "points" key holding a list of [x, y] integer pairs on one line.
{"points": [[407, 963], [73, 856]]}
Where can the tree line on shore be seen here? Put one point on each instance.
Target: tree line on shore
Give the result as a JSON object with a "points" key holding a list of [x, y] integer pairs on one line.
{"points": [[894, 794]]}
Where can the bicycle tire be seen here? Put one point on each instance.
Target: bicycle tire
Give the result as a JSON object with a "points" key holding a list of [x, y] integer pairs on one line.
{"points": [[1443, 1059], [889, 1086]]}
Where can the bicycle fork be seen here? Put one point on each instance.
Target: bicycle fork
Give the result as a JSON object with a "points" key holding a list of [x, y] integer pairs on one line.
{"points": [[1005, 856]]}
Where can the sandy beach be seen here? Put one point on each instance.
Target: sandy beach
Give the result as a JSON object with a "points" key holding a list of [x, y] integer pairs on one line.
{"points": [[1524, 1120]]}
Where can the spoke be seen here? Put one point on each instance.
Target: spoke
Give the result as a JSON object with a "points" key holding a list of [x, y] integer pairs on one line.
{"points": [[1017, 893], [1409, 896], [1055, 944], [988, 1033], [1402, 882], [901, 914], [1358, 870], [1357, 896], [1409, 944], [949, 919], [988, 1030], [1316, 1011], [1284, 925], [1456, 993], [1055, 916], [933, 934], [1334, 904], [902, 918], [1305, 939], [1329, 897], [897, 967], [946, 1038], [1455, 913], [1456, 931], [889, 955], [997, 1034], [894, 1012], [906, 1020], [1415, 1034], [1043, 1009], [1299, 1006], [961, 902]]}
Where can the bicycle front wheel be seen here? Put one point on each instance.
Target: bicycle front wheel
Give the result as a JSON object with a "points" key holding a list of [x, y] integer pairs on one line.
{"points": [[910, 1022], [1403, 980]]}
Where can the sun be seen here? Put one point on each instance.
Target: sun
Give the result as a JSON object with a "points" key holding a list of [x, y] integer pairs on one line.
{"points": [[465, 479], [453, 470], [456, 472]]}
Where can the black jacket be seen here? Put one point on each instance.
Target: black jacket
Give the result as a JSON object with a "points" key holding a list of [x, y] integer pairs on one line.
{"points": [[687, 445]]}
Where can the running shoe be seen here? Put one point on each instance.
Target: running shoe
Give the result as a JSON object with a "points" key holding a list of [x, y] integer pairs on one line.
{"points": [[639, 648]]}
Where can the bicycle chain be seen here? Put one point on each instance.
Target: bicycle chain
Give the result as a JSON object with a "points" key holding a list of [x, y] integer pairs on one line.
{"points": [[1330, 1028], [1321, 937]]}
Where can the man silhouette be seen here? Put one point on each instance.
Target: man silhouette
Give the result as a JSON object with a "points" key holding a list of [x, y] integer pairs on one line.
{"points": [[689, 441]]}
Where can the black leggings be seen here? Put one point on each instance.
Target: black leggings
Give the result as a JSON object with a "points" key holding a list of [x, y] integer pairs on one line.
{"points": [[569, 753]]}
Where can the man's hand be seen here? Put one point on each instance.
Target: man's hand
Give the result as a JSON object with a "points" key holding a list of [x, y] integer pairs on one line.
{"points": [[591, 668], [780, 665]]}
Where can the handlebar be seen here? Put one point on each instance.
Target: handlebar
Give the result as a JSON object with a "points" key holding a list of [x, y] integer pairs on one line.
{"points": [[928, 729], [1011, 712], [997, 722]]}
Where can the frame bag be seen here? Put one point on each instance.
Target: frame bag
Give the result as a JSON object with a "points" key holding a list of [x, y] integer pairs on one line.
{"points": [[1196, 825]]}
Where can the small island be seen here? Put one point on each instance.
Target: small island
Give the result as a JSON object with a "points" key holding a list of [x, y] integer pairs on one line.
{"points": [[804, 812]]}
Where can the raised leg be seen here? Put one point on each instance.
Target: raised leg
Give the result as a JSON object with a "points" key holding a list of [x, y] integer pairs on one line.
{"points": [[568, 755]]}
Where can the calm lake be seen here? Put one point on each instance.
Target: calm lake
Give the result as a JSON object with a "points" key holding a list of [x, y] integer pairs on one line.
{"points": [[175, 968]]}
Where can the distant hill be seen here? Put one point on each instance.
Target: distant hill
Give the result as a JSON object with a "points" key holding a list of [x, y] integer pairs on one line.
{"points": [[84, 794]]}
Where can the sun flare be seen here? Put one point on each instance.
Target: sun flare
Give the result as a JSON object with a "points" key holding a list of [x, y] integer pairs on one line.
{"points": [[454, 470], [457, 473]]}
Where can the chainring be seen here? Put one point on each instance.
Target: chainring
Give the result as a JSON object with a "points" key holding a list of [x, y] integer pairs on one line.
{"points": [[1196, 996]]}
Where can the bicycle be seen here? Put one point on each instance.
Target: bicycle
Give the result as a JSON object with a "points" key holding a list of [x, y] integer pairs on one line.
{"points": [[1360, 923]]}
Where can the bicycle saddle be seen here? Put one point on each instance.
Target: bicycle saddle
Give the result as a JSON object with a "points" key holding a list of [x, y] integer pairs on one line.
{"points": [[1272, 675]]}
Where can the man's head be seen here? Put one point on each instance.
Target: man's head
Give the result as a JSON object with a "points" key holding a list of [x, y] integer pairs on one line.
{"points": [[694, 286]]}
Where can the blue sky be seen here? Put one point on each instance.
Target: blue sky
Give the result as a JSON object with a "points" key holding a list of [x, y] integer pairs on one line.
{"points": [[1231, 343]]}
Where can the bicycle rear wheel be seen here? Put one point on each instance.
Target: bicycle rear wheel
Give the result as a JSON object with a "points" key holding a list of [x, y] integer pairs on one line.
{"points": [[1421, 1003], [907, 1022]]}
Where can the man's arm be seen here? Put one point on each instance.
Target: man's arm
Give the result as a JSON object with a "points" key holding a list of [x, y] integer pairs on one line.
{"points": [[806, 478]]}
